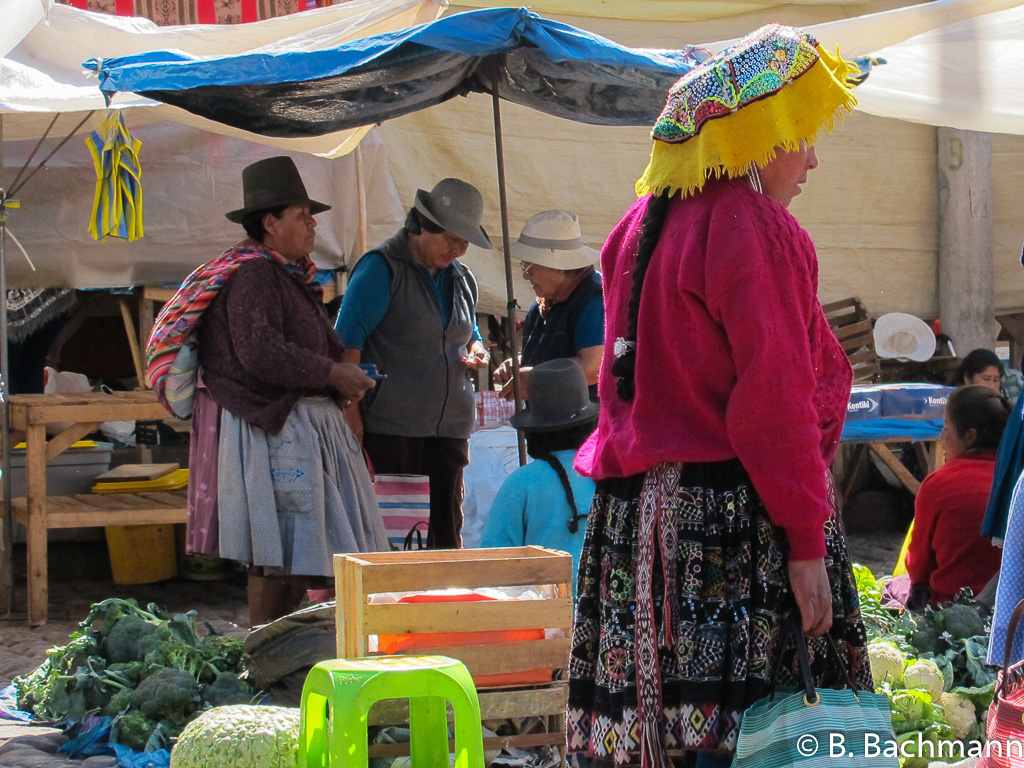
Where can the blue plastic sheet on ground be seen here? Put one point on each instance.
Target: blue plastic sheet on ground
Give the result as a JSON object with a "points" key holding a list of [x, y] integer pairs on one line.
{"points": [[127, 758], [875, 430], [90, 738], [9, 706]]}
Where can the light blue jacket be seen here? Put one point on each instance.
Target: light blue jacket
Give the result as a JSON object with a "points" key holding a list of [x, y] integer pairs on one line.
{"points": [[531, 508]]}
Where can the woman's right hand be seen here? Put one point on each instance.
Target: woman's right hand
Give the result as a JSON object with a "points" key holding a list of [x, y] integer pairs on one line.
{"points": [[350, 380], [809, 582]]}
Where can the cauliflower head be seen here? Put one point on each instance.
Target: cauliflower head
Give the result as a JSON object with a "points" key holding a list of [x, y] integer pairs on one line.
{"points": [[886, 662], [959, 714], [269, 735], [924, 675]]}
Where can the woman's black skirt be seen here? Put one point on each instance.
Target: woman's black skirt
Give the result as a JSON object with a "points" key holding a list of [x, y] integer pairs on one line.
{"points": [[680, 611]]}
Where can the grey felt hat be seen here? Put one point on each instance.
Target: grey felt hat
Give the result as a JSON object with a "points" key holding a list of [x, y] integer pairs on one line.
{"points": [[456, 206], [559, 398], [272, 182]]}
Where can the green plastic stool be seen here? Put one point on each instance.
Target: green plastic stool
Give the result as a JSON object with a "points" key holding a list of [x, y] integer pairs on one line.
{"points": [[338, 694]]}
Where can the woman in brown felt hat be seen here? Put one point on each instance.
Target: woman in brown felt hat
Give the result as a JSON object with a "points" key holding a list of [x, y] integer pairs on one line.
{"points": [[277, 477], [410, 309]]}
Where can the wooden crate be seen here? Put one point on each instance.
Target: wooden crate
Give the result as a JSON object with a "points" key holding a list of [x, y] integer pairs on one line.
{"points": [[357, 577]]}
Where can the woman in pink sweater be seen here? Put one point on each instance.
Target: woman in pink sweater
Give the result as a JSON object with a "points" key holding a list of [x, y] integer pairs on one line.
{"points": [[723, 393]]}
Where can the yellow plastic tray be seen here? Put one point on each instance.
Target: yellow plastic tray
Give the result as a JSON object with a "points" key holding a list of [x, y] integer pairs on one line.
{"points": [[79, 444], [171, 482]]}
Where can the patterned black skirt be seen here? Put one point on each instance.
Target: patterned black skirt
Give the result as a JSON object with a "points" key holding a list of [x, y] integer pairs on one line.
{"points": [[682, 591]]}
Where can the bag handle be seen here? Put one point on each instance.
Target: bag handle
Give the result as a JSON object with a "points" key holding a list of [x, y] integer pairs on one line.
{"points": [[418, 534], [792, 623], [1011, 633]]}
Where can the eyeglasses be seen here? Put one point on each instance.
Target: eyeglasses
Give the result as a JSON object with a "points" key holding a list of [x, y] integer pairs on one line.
{"points": [[526, 267]]}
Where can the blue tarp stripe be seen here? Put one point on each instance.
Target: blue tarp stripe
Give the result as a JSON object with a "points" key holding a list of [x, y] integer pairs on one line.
{"points": [[473, 33]]}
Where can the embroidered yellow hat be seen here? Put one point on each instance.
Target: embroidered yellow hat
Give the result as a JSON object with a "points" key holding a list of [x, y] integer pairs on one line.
{"points": [[776, 87]]}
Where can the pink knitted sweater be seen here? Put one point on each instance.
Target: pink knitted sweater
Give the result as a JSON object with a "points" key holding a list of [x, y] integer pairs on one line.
{"points": [[735, 358]]}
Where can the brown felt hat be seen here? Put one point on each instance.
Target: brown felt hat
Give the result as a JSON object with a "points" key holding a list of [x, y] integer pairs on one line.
{"points": [[272, 182]]}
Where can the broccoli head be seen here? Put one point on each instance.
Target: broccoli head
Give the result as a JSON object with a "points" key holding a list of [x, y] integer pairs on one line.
{"points": [[133, 730], [227, 689], [118, 703], [168, 694], [122, 644]]}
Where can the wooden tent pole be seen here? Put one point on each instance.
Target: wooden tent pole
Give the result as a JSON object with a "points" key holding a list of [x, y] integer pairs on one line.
{"points": [[510, 319]]}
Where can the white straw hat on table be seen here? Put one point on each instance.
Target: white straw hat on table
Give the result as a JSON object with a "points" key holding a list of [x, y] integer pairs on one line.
{"points": [[904, 336]]}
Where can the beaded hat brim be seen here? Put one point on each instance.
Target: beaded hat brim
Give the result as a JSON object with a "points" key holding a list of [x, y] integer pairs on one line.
{"points": [[775, 88]]}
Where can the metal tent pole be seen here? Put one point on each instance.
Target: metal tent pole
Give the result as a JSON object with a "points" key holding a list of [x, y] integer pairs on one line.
{"points": [[6, 553], [506, 241]]}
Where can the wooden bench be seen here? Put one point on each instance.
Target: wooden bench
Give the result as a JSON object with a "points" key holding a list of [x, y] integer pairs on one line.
{"points": [[30, 415]]}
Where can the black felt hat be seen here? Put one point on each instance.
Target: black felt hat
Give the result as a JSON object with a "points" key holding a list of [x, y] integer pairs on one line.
{"points": [[272, 182]]}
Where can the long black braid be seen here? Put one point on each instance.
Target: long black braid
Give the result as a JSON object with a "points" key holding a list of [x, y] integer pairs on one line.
{"points": [[624, 367], [542, 445]]}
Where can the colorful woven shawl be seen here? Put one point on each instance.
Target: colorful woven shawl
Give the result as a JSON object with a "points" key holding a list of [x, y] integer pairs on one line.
{"points": [[180, 316], [774, 88]]}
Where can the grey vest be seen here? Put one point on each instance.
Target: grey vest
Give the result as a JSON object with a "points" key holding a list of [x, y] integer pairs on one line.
{"points": [[427, 392]]}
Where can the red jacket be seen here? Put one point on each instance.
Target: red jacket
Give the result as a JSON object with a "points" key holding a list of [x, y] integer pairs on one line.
{"points": [[735, 358], [947, 551]]}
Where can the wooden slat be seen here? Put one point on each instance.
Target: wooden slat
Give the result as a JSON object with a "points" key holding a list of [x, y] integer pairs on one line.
{"points": [[35, 550], [492, 615], [76, 512], [498, 658], [524, 702], [59, 443], [468, 574], [890, 460], [543, 701], [491, 743], [133, 340]]}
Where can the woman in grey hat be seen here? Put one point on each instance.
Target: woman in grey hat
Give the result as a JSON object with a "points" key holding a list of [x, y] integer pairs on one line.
{"points": [[410, 309], [567, 319], [277, 478]]}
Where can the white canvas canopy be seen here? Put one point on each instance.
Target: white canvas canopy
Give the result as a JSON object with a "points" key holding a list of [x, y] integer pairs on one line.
{"points": [[871, 206], [191, 166]]}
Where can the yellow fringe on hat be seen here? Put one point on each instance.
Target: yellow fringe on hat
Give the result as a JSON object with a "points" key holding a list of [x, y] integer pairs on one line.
{"points": [[727, 145]]}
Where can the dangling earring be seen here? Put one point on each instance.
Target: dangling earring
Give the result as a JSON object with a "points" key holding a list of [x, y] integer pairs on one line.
{"points": [[754, 175]]}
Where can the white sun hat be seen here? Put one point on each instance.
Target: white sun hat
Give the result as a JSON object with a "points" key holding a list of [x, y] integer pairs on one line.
{"points": [[904, 336], [553, 239]]}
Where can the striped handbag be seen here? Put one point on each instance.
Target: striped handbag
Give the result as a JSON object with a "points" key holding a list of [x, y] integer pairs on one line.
{"points": [[404, 502], [816, 727]]}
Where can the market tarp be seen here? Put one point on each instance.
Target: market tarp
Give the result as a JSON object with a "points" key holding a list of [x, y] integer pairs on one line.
{"points": [[41, 72], [547, 66]]}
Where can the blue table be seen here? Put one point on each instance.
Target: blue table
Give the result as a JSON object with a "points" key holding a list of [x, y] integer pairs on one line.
{"points": [[874, 435]]}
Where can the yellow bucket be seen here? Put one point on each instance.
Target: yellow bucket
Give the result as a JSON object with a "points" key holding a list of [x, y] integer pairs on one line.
{"points": [[142, 554]]}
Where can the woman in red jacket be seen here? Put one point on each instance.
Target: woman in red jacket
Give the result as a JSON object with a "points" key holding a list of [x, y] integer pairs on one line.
{"points": [[947, 551], [723, 393]]}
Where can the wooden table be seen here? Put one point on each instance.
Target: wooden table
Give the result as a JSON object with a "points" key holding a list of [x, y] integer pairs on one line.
{"points": [[930, 455], [30, 414]]}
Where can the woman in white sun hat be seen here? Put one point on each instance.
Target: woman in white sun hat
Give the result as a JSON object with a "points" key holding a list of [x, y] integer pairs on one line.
{"points": [[567, 319]]}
